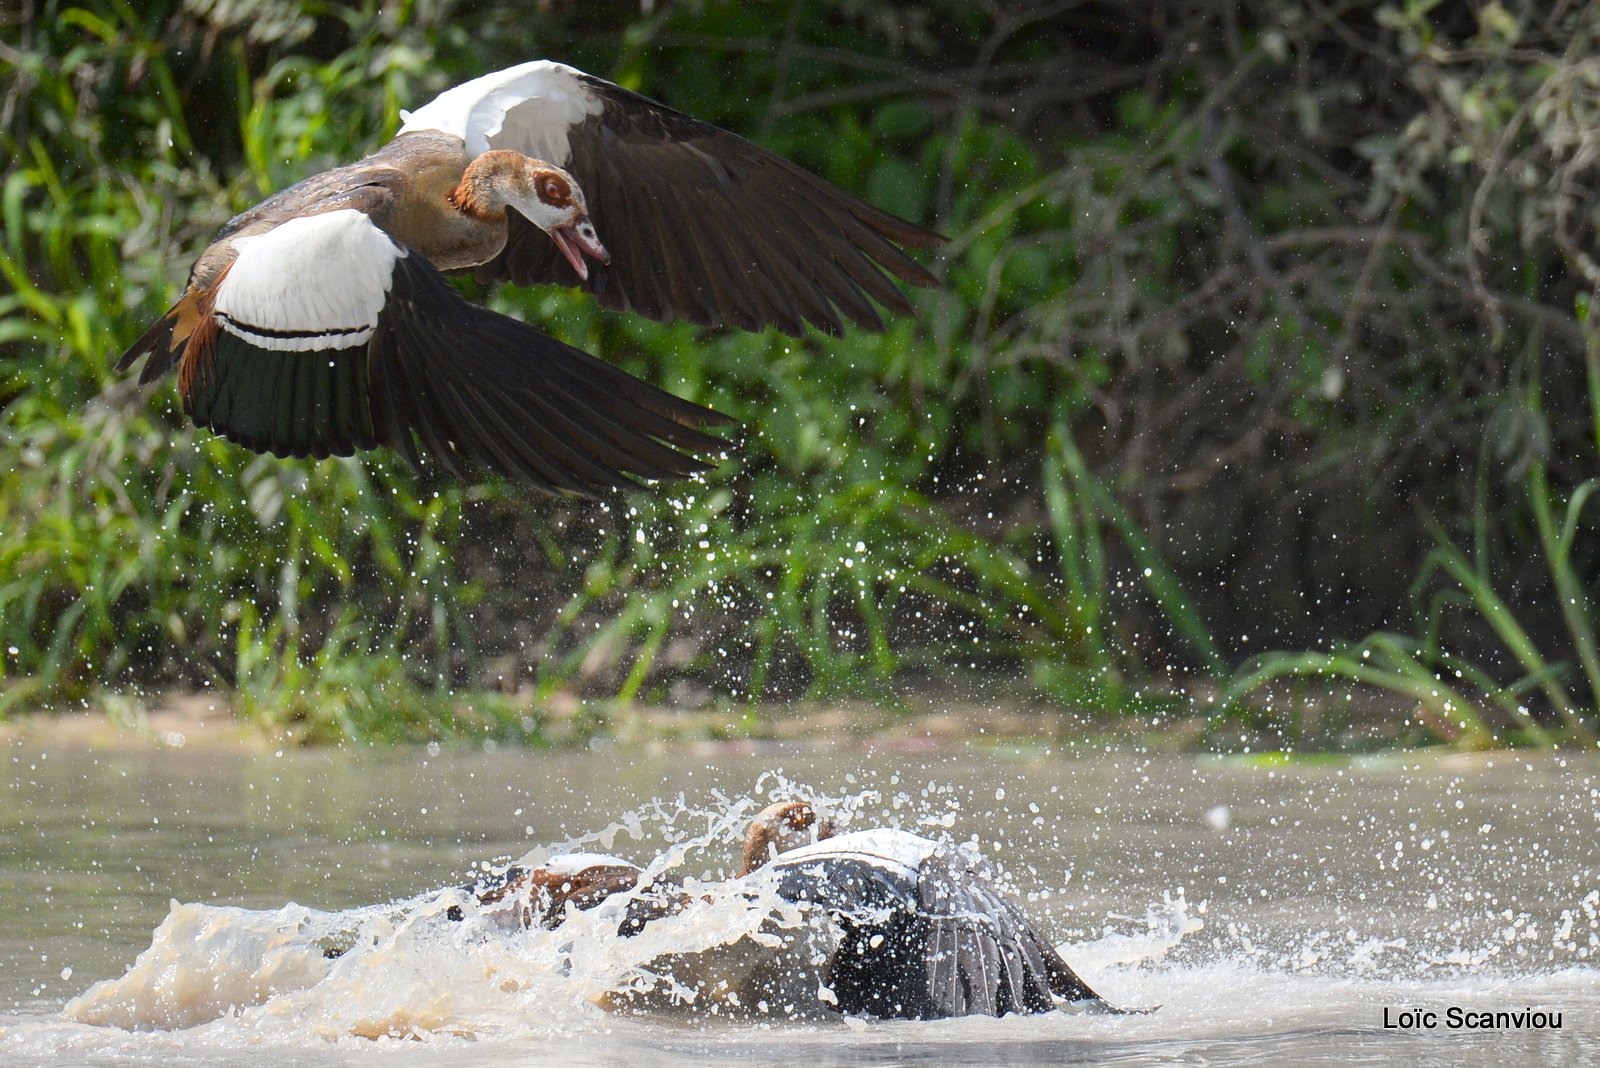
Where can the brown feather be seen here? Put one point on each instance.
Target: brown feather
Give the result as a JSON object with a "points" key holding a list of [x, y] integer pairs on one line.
{"points": [[197, 326]]}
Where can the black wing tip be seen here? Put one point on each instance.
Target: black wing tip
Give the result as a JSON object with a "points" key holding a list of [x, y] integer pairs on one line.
{"points": [[673, 464], [593, 484], [1099, 1006], [157, 338], [597, 488], [713, 418], [923, 279], [908, 234], [487, 393], [125, 363]]}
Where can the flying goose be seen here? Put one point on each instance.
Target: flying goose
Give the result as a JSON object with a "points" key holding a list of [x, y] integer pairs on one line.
{"points": [[321, 321]]}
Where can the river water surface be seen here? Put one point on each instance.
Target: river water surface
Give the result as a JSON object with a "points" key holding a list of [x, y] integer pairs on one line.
{"points": [[1277, 912]]}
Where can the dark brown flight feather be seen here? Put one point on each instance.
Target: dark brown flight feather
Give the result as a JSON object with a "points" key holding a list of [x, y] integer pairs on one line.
{"points": [[706, 226]]}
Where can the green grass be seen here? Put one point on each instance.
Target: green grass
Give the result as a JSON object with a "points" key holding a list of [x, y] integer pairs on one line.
{"points": [[332, 595], [971, 495], [1459, 700]]}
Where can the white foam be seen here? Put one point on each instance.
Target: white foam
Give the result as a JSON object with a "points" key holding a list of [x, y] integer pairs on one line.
{"points": [[205, 961]]}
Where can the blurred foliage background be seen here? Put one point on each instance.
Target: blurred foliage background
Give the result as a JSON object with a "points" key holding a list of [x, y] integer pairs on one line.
{"points": [[1263, 369]]}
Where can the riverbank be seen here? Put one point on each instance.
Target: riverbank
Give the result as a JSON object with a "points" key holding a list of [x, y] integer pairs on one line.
{"points": [[1355, 722]]}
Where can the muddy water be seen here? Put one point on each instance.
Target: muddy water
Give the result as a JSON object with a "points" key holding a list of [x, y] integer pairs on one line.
{"points": [[1277, 913]]}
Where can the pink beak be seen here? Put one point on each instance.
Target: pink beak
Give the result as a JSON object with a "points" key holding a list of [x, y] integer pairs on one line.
{"points": [[575, 239]]}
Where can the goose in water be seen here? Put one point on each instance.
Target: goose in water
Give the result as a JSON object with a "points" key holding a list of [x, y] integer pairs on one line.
{"points": [[922, 934], [903, 928], [546, 892], [321, 321]]}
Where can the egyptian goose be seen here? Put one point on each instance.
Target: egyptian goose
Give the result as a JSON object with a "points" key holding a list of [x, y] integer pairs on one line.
{"points": [[918, 932], [546, 892], [320, 321], [923, 935]]}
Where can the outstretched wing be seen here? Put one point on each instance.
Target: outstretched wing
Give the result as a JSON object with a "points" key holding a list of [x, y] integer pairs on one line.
{"points": [[925, 936], [323, 336], [984, 956], [702, 225]]}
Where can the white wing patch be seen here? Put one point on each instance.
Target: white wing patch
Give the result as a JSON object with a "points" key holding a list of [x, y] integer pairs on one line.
{"points": [[892, 850], [529, 108], [576, 863], [315, 282]]}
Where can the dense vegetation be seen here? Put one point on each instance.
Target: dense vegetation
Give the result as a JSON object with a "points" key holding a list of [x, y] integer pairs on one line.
{"points": [[1264, 329]]}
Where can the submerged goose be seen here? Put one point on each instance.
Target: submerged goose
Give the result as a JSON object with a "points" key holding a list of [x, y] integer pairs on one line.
{"points": [[565, 881], [923, 935], [320, 321], [912, 932]]}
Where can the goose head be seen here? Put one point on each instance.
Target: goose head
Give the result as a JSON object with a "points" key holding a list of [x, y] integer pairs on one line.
{"points": [[780, 827], [541, 192]]}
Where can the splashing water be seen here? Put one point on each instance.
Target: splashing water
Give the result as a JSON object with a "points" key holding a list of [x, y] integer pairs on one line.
{"points": [[1257, 935], [406, 969]]}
